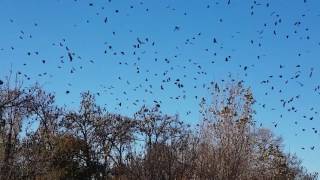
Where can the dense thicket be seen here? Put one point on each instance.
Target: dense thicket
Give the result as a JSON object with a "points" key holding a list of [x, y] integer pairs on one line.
{"points": [[39, 140]]}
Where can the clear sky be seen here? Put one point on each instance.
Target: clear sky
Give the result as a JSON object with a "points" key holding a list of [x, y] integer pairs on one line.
{"points": [[187, 40]]}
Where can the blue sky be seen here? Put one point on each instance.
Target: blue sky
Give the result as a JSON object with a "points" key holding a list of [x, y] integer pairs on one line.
{"points": [[279, 32]]}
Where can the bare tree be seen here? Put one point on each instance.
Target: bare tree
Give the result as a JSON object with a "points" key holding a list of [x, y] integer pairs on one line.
{"points": [[167, 146], [14, 108], [39, 140], [225, 133]]}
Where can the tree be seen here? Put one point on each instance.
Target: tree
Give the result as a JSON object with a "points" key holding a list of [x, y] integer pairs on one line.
{"points": [[15, 103], [39, 140], [226, 133], [166, 146], [106, 138], [41, 135], [231, 147]]}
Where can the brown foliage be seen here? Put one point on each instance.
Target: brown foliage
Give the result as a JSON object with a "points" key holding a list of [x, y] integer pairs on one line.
{"points": [[39, 140]]}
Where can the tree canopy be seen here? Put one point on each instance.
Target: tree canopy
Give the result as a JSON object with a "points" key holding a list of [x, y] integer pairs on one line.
{"points": [[40, 140]]}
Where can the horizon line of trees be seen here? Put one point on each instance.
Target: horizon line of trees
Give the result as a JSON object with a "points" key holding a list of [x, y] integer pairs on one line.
{"points": [[40, 140]]}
